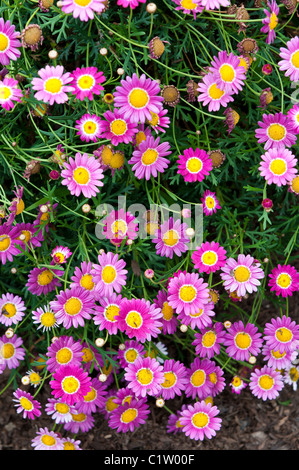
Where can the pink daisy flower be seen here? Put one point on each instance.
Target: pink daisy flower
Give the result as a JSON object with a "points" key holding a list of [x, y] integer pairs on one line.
{"points": [[174, 425], [17, 205], [86, 82], [130, 3], [227, 72], [43, 280], [70, 444], [60, 254], [188, 293], [194, 6], [30, 235], [210, 203], [9, 42], [70, 383], [117, 129], [194, 165], [278, 166], [136, 97], [202, 318], [12, 309], [8, 242], [242, 341], [237, 384], [11, 351], [214, 4], [293, 113], [159, 121], [120, 225], [275, 131], [200, 421], [218, 381], [209, 257], [139, 319], [129, 416], [83, 10], [242, 275], [94, 400], [142, 133], [81, 422], [290, 59], [82, 277], [199, 384], [281, 334], [73, 307], [149, 158], [270, 21], [278, 360], [284, 280], [47, 440], [175, 379], [208, 342], [106, 314], [266, 383], [210, 94], [129, 353], [90, 127], [59, 411], [109, 275], [144, 377], [169, 320], [9, 92], [170, 238], [26, 404], [64, 351], [53, 85], [82, 175]]}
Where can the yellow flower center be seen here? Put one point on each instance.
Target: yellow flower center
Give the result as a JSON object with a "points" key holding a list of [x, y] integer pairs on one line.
{"points": [[276, 131], [85, 82], [144, 376], [131, 355], [27, 235], [48, 440], [209, 258], [134, 319], [110, 404], [108, 274], [5, 93], [155, 119], [188, 4], [20, 207], [151, 228], [87, 355], [53, 85], [194, 165], [129, 415], [90, 127], [82, 3], [118, 127], [64, 356], [208, 339], [59, 257], [90, 396], [69, 446], [295, 184], [213, 378], [81, 175], [277, 354], [284, 335], [34, 378], [200, 420], [79, 418], [3, 42], [7, 350], [111, 312], [294, 374], [4, 242], [187, 293], [266, 382], [210, 202], [171, 237], [87, 282], [62, 408], [9, 310], [106, 155], [241, 274], [284, 280], [227, 73], [48, 319], [138, 98], [149, 157], [169, 380], [197, 314], [243, 63], [236, 382], [70, 384], [243, 340], [117, 160], [119, 226], [140, 136], [45, 278], [215, 92], [167, 311], [295, 59], [278, 166], [273, 21], [26, 404], [198, 378], [73, 306]]}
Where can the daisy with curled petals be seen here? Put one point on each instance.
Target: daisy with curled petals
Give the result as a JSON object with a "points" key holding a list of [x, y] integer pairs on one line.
{"points": [[83, 9], [47, 440], [169, 320], [194, 165], [12, 309], [209, 257], [86, 82], [237, 384], [281, 334], [144, 377], [293, 115], [109, 274], [211, 95], [118, 129], [159, 121], [242, 341], [139, 319], [82, 277], [149, 158], [73, 307], [9, 42], [60, 254], [242, 275], [278, 166], [59, 411], [70, 383], [199, 385], [275, 130], [82, 175], [290, 59], [202, 318], [208, 341], [284, 280], [170, 238], [9, 93], [120, 225], [188, 293], [106, 314], [266, 383], [53, 85], [26, 404], [175, 379], [129, 353], [12, 351], [129, 416], [137, 97], [43, 280], [200, 420], [227, 72], [210, 203], [189, 6], [90, 127], [63, 351], [270, 21]]}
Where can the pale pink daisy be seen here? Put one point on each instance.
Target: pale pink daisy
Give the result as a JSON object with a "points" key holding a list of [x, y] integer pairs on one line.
{"points": [[144, 377], [53, 85], [63, 351], [278, 166], [129, 416], [87, 81], [72, 307], [229, 75], [9, 92], [83, 10], [242, 275], [12, 309], [293, 113], [169, 319], [175, 379], [9, 42], [209, 257], [70, 383], [171, 239], [90, 127], [148, 159], [270, 21], [282, 334], [242, 341], [266, 383], [8, 242], [200, 421], [47, 440], [70, 444], [275, 130], [120, 225], [211, 95], [106, 313], [189, 6], [210, 203], [118, 129], [26, 404], [43, 280], [290, 59], [194, 165], [188, 293], [82, 175], [60, 254], [12, 351], [199, 384], [59, 411], [109, 274], [208, 341], [284, 280]]}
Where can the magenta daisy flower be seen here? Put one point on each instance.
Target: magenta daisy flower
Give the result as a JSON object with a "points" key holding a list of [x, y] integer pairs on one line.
{"points": [[174, 425], [278, 360], [175, 379], [227, 72], [169, 320], [130, 3], [120, 225], [136, 97], [188, 293], [70, 383], [64, 351], [60, 254], [281, 334], [9, 92], [81, 422], [26, 404], [43, 280], [149, 158], [266, 383], [218, 382], [278, 166], [208, 342], [242, 275], [59, 411], [47, 440], [144, 377], [189, 7], [53, 85], [30, 235], [159, 121], [109, 274], [209, 257], [242, 341], [86, 82], [90, 127], [129, 353], [82, 277], [8, 242], [106, 314], [118, 129], [211, 95], [275, 131], [293, 113], [200, 421], [82, 175], [199, 384], [284, 280], [94, 400], [9, 42], [270, 21], [170, 238], [237, 384], [73, 307], [202, 318], [83, 10], [129, 416], [11, 351], [290, 59], [210, 203], [194, 165], [12, 309]]}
